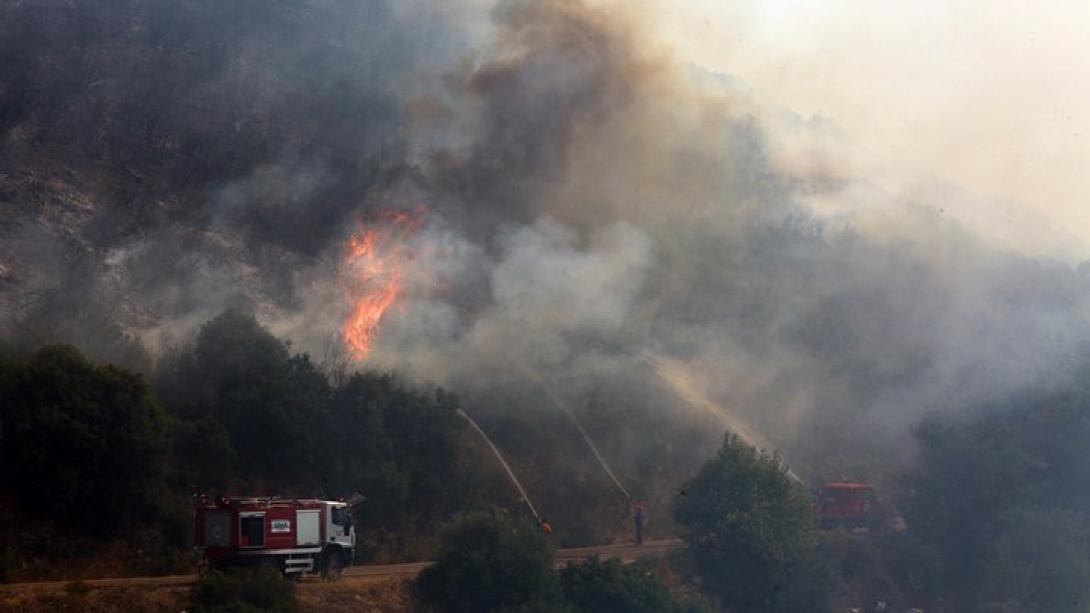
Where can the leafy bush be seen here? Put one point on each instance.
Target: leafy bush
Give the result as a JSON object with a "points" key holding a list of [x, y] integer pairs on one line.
{"points": [[749, 528], [863, 569], [243, 591], [489, 562], [595, 585]]}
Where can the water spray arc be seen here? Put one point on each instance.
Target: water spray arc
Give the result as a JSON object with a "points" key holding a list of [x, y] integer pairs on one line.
{"points": [[499, 456], [676, 376], [578, 426]]}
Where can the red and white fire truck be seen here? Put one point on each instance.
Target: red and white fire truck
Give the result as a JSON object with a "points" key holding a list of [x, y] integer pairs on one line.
{"points": [[289, 535], [846, 504]]}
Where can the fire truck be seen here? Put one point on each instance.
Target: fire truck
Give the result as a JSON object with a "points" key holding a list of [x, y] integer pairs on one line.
{"points": [[292, 536], [846, 504]]}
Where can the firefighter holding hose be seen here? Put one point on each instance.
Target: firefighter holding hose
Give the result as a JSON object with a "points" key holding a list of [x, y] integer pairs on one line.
{"points": [[640, 519]]}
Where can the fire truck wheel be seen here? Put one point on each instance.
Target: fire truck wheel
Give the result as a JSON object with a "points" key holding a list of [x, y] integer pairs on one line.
{"points": [[333, 566], [269, 565]]}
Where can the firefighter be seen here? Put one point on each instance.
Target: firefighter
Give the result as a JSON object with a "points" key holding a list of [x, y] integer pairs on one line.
{"points": [[546, 527], [640, 519]]}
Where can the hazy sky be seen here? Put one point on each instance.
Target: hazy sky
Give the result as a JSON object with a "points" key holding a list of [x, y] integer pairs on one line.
{"points": [[993, 97]]}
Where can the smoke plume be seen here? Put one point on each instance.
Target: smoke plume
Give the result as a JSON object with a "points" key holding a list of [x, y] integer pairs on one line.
{"points": [[590, 201]]}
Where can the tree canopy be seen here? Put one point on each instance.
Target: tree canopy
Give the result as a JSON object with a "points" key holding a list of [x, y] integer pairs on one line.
{"points": [[489, 562], [268, 401], [239, 413], [250, 414], [748, 526], [81, 441], [1002, 497]]}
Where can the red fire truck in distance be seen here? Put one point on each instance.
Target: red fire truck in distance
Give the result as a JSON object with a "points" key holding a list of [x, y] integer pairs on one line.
{"points": [[846, 504], [290, 536]]}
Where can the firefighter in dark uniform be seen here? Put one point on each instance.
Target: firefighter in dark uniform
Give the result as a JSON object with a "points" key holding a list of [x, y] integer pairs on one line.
{"points": [[640, 519]]}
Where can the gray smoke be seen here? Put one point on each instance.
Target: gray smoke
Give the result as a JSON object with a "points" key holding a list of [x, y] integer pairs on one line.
{"points": [[589, 202]]}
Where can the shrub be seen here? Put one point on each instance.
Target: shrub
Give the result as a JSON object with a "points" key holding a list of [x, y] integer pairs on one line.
{"points": [[243, 591], [489, 562], [608, 586]]}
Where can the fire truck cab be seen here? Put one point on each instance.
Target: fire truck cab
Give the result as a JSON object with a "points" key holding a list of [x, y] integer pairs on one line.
{"points": [[848, 505], [292, 536]]}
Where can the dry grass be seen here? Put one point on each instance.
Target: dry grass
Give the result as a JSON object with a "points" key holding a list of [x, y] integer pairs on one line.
{"points": [[76, 600], [352, 595]]}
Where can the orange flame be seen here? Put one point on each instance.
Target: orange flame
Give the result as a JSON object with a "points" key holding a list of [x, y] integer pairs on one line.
{"points": [[377, 258]]}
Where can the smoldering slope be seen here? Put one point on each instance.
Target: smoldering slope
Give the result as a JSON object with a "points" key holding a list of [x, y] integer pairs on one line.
{"points": [[651, 207], [592, 201]]}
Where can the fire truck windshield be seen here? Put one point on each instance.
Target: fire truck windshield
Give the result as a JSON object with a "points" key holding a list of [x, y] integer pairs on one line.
{"points": [[342, 517]]}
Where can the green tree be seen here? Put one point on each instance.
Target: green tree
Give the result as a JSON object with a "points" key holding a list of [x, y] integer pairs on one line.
{"points": [[203, 458], [1041, 562], [404, 449], [82, 441], [980, 484], [270, 403], [489, 562], [749, 528]]}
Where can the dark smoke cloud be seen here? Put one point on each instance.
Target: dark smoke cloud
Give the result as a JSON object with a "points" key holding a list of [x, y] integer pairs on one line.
{"points": [[591, 205], [555, 69], [185, 157]]}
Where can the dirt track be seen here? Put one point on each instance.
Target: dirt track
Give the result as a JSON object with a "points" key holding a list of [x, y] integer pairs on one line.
{"points": [[626, 552]]}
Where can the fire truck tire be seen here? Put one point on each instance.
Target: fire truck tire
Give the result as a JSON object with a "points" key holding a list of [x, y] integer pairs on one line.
{"points": [[334, 564], [269, 565]]}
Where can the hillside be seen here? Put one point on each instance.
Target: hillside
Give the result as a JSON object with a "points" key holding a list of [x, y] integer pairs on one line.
{"points": [[285, 247]]}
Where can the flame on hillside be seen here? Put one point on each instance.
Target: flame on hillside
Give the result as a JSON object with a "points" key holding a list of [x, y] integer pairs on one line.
{"points": [[376, 261]]}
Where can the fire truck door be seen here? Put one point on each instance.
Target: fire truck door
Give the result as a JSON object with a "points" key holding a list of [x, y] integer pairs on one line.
{"points": [[308, 527]]}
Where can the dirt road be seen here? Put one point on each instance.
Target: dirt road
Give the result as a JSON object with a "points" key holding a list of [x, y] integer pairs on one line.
{"points": [[626, 552]]}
